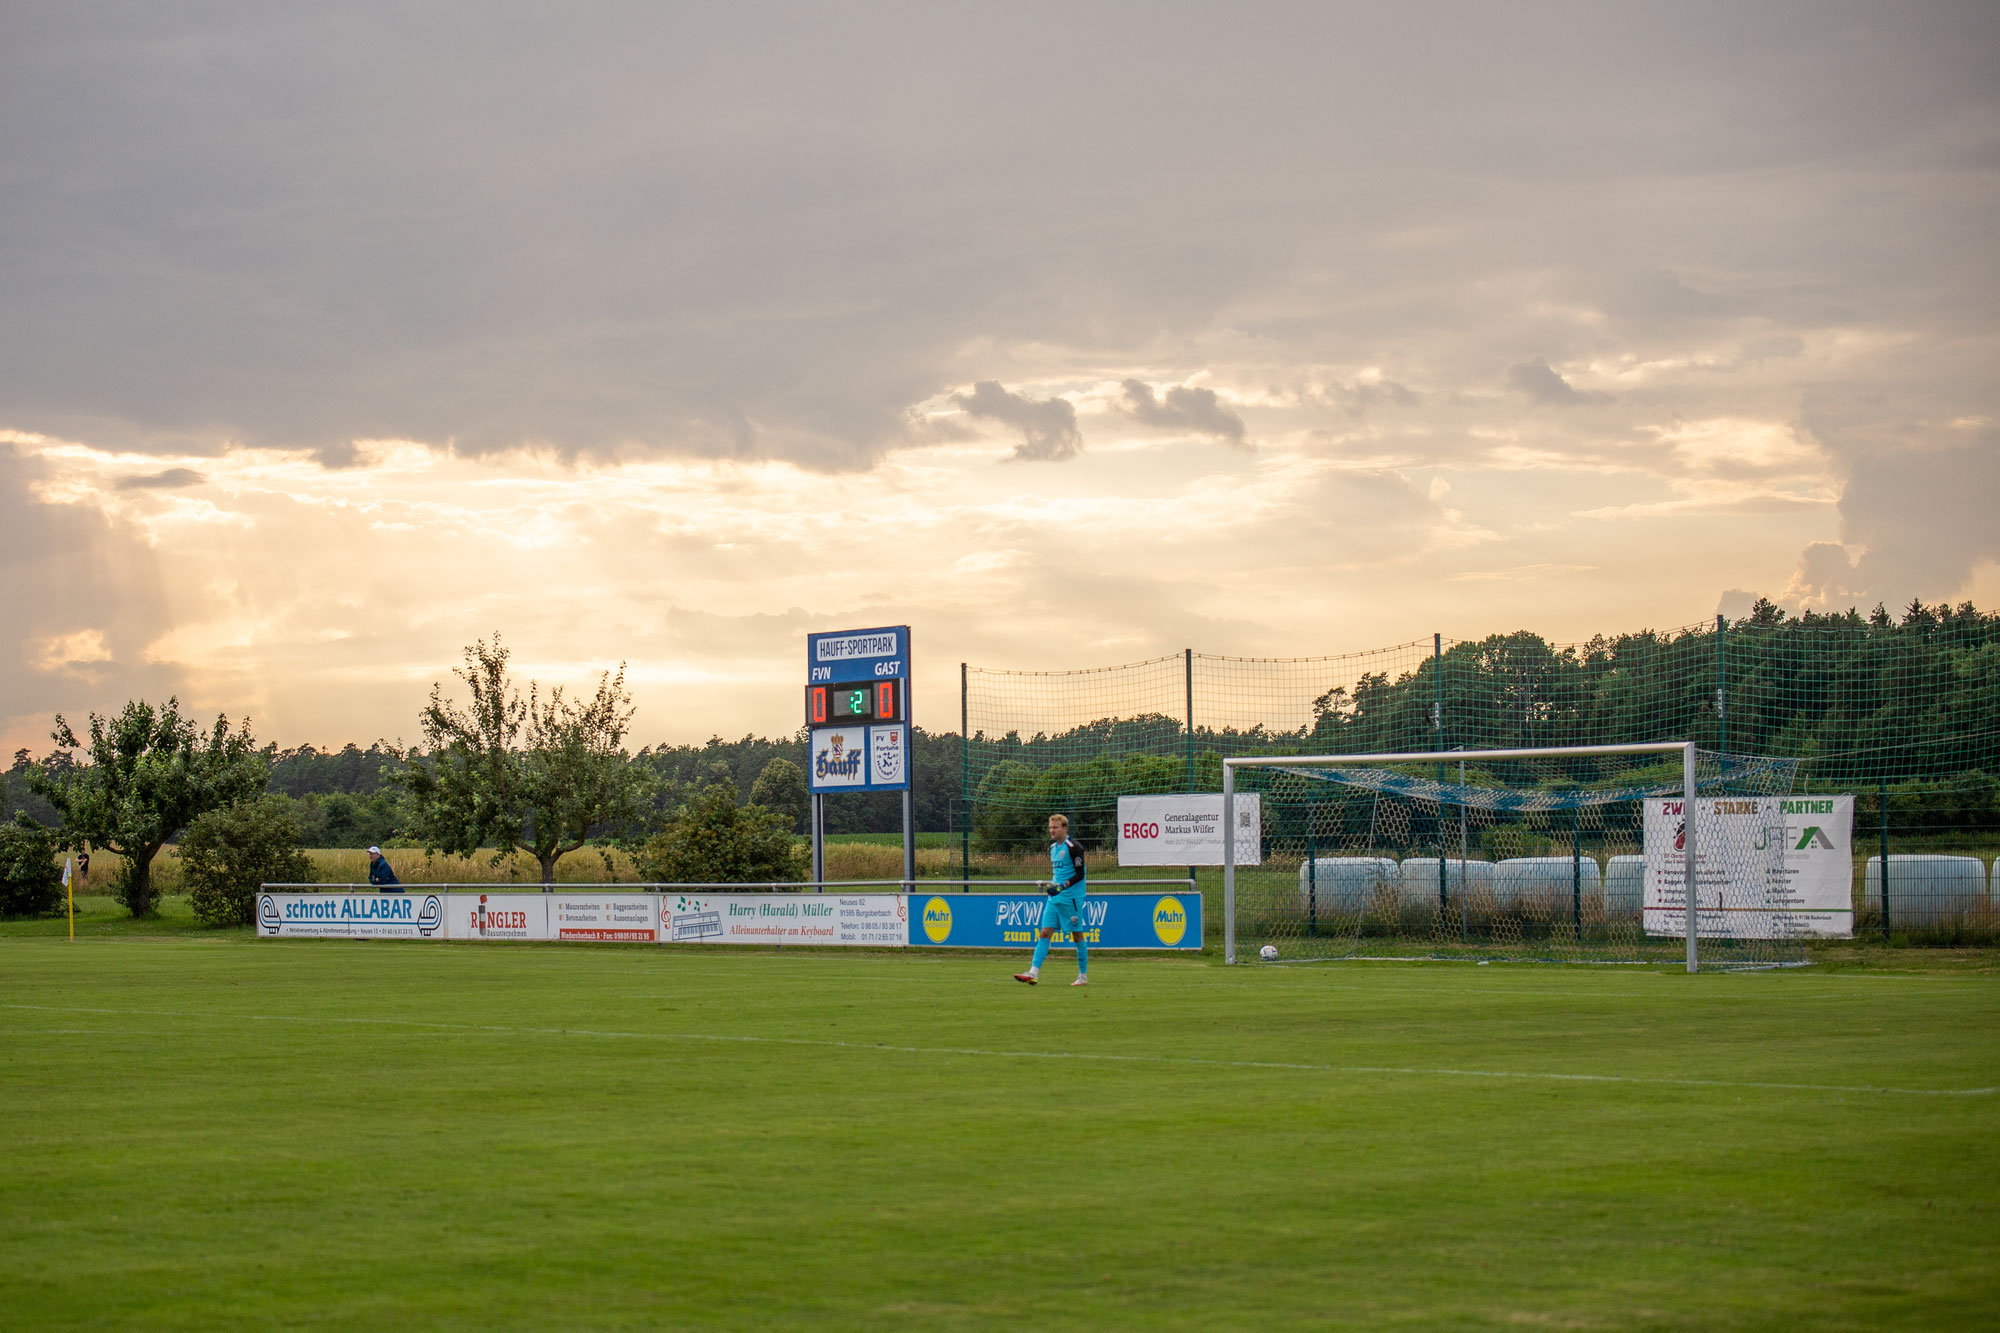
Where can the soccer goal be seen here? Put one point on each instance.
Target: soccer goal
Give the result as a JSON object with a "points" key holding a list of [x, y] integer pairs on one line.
{"points": [[1563, 853]]}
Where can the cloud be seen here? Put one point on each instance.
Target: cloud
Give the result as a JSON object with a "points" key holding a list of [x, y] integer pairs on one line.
{"points": [[172, 479], [1048, 426], [82, 598], [1538, 380], [1183, 408], [1923, 518]]}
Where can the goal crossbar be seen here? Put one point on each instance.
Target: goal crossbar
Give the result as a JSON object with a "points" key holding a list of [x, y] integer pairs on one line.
{"points": [[1686, 749]]}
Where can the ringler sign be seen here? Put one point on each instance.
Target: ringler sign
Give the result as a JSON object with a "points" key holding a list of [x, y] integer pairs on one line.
{"points": [[1187, 830]]}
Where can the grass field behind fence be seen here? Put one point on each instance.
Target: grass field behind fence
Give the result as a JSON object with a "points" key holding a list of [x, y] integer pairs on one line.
{"points": [[216, 1132]]}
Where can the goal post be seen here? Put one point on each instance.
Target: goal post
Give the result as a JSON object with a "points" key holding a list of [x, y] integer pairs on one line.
{"points": [[1450, 898]]}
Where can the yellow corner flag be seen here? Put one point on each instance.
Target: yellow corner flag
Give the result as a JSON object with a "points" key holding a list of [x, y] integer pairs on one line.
{"points": [[71, 895]]}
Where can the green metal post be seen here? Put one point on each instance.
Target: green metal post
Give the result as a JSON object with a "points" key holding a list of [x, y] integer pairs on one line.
{"points": [[1187, 656], [964, 778], [1312, 878], [1882, 794], [1576, 872], [1437, 723], [1721, 687]]}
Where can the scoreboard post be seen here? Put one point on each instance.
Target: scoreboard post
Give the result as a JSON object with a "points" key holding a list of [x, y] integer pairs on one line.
{"points": [[857, 706]]}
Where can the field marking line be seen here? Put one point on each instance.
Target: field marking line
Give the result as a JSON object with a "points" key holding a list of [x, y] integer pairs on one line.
{"points": [[1193, 1061]]}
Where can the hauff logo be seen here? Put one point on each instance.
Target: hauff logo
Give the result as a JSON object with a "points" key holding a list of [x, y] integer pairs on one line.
{"points": [[834, 764]]}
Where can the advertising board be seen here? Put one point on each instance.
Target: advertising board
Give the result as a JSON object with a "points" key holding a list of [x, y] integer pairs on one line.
{"points": [[497, 916], [627, 917], [1186, 830], [353, 916], [871, 919], [1766, 867], [1009, 920]]}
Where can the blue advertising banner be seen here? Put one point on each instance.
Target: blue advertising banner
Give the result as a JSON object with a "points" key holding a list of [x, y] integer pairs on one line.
{"points": [[1009, 920]]}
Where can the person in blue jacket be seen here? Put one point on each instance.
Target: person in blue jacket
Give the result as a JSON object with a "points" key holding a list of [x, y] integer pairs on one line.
{"points": [[379, 873], [1064, 909]]}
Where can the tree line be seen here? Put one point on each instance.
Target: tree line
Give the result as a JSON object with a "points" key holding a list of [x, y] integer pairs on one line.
{"points": [[1911, 702]]}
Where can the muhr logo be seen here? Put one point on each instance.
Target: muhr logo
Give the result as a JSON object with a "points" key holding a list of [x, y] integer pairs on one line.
{"points": [[832, 763]]}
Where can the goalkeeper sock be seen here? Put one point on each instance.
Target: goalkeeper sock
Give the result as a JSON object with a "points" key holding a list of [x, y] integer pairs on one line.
{"points": [[1041, 956], [1082, 959]]}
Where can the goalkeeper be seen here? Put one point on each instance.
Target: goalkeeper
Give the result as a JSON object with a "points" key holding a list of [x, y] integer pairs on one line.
{"points": [[1064, 909]]}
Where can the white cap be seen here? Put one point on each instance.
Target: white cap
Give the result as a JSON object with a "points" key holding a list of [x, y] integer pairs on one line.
{"points": [[374, 851]]}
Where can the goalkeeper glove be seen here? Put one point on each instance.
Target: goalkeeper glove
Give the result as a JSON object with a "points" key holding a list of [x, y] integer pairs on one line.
{"points": [[1053, 889]]}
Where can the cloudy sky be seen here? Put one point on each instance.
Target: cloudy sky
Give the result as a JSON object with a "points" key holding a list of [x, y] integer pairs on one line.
{"points": [[333, 337]]}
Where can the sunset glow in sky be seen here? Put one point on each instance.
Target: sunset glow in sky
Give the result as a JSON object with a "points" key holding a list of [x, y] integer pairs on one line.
{"points": [[1066, 335]]}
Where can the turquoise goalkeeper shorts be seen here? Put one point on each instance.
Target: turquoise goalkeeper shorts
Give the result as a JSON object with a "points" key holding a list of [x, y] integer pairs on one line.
{"points": [[1064, 911]]}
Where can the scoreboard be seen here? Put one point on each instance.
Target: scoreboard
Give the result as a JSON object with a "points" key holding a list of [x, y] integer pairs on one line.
{"points": [[855, 701], [858, 709]]}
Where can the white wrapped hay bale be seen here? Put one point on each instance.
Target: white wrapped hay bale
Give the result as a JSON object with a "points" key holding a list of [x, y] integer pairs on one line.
{"points": [[1348, 883], [1420, 879], [1927, 890], [1624, 886], [1544, 882]]}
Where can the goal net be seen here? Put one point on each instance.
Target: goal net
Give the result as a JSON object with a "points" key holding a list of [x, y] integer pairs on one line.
{"points": [[1573, 854]]}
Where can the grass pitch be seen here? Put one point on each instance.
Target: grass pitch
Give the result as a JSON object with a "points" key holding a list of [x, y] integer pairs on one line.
{"points": [[214, 1132]]}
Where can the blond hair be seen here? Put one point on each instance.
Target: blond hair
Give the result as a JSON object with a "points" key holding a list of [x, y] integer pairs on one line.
{"points": [[1059, 819]]}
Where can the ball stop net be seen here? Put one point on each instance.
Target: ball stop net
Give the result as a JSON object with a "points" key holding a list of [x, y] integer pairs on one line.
{"points": [[1556, 856]]}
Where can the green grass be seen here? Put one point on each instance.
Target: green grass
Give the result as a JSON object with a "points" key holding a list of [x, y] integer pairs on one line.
{"points": [[214, 1132]]}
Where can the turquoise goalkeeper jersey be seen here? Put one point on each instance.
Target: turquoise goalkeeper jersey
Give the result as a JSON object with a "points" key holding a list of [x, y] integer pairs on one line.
{"points": [[1066, 864]]}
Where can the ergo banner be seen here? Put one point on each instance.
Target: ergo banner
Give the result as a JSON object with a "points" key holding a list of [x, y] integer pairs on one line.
{"points": [[1186, 830]]}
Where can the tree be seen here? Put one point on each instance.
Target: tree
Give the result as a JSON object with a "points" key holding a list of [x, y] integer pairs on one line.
{"points": [[30, 882], [228, 854], [781, 789], [149, 774], [537, 776], [712, 840]]}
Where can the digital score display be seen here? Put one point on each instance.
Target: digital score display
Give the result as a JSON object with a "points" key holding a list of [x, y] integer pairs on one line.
{"points": [[856, 701]]}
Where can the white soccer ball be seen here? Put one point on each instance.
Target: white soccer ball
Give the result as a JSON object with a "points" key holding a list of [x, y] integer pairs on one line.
{"points": [[1269, 953]]}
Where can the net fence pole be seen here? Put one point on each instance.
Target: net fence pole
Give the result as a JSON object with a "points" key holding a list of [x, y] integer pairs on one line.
{"points": [[1228, 862], [1187, 661], [1464, 875], [1721, 686], [1576, 872], [1882, 796], [1688, 856], [964, 775], [1437, 720]]}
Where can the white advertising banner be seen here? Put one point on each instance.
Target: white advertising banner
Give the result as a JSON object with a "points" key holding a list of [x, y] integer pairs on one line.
{"points": [[497, 916], [354, 916], [839, 757], [878, 919], [1766, 867], [1187, 830], [628, 917]]}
